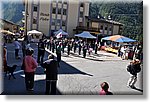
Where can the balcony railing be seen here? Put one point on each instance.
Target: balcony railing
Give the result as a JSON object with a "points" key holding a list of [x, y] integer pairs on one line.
{"points": [[87, 28]]}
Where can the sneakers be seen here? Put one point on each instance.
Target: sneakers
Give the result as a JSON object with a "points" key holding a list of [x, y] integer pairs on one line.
{"points": [[30, 89], [131, 86]]}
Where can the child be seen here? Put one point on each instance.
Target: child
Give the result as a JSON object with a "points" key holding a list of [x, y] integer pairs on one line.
{"points": [[104, 90]]}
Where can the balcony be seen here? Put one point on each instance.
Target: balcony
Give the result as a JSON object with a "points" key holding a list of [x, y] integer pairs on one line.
{"points": [[84, 28]]}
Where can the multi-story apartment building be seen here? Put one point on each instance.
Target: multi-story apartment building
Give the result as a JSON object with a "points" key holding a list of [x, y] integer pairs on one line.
{"points": [[72, 16], [52, 15]]}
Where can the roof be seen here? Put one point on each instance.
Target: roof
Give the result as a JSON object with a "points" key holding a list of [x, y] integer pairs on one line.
{"points": [[103, 20], [8, 21]]}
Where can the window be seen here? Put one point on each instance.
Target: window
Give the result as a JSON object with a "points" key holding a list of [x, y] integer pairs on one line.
{"points": [[34, 21], [65, 2], [81, 14], [59, 10], [81, 5], [105, 28], [102, 27], [87, 24], [64, 11], [58, 22], [63, 23], [53, 21], [59, 1], [54, 10], [53, 1], [110, 28], [35, 8], [80, 23]]}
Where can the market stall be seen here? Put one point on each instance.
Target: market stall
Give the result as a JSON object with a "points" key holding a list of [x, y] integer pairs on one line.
{"points": [[85, 34], [60, 33], [34, 35], [7, 35], [116, 41]]}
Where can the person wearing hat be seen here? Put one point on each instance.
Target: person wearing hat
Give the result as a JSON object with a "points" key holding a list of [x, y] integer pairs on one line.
{"points": [[30, 66], [51, 71]]}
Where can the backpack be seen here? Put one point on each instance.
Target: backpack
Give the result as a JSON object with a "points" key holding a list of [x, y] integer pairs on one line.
{"points": [[134, 69], [137, 68], [129, 68]]}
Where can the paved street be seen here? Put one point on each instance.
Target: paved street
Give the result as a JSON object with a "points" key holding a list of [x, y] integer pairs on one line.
{"points": [[76, 75]]}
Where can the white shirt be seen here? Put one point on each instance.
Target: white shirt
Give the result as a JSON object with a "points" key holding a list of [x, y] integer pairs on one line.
{"points": [[122, 49]]}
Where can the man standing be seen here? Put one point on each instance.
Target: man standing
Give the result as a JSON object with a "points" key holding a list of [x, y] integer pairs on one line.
{"points": [[58, 53], [51, 74], [17, 47], [68, 49], [96, 47], [41, 51], [80, 46], [84, 51]]}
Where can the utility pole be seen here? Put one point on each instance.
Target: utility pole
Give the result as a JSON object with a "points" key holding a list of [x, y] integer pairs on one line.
{"points": [[26, 17]]}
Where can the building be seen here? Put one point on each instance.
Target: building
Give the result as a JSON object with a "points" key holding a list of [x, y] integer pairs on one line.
{"points": [[72, 16], [101, 27], [9, 26], [52, 15]]}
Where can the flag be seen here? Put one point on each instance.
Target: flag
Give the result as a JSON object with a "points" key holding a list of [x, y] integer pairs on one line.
{"points": [[59, 35]]}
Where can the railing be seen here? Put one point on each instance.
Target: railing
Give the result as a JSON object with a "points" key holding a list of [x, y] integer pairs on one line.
{"points": [[87, 28]]}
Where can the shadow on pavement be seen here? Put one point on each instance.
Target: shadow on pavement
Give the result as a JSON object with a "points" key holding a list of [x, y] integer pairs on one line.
{"points": [[138, 89], [89, 58], [68, 69], [17, 86]]}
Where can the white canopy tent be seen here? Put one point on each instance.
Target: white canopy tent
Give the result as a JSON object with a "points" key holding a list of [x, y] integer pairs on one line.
{"points": [[34, 35]]}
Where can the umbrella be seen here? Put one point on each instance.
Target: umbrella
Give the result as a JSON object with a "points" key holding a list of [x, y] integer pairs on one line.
{"points": [[118, 38], [85, 34], [6, 32], [34, 32], [60, 31], [34, 35]]}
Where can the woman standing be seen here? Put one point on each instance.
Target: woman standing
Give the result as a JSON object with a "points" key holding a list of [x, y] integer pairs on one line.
{"points": [[30, 66]]}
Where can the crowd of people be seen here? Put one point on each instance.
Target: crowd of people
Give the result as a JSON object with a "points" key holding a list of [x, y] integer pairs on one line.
{"points": [[50, 66], [131, 52], [76, 45]]}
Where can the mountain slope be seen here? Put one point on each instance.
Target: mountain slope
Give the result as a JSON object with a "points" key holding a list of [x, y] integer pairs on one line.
{"points": [[128, 13], [12, 11]]}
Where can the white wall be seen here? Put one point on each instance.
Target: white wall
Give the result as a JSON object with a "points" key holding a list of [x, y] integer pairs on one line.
{"points": [[44, 17], [72, 17]]}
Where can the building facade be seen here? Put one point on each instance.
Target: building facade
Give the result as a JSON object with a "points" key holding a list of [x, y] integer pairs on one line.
{"points": [[52, 15], [9, 26], [101, 27]]}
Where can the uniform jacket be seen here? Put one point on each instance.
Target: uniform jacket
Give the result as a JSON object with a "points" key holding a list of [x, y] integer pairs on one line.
{"points": [[51, 69]]}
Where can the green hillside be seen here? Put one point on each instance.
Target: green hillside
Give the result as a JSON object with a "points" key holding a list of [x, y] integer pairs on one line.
{"points": [[128, 13]]}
